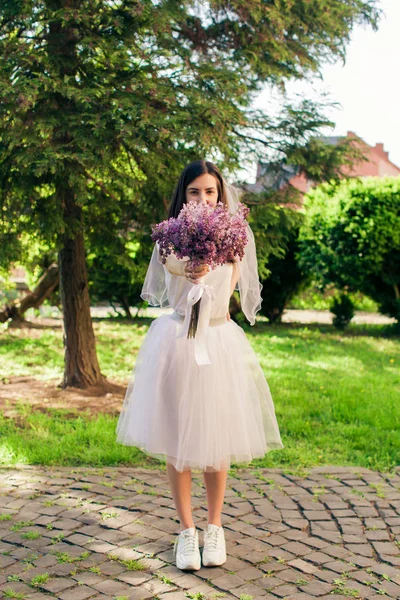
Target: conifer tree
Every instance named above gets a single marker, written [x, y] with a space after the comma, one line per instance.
[97, 96]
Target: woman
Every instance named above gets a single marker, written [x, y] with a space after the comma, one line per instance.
[200, 416]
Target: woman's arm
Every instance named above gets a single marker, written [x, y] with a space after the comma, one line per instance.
[173, 264]
[184, 268]
[176, 266]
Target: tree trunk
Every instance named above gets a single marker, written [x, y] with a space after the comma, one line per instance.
[81, 365]
[81, 368]
[16, 309]
[125, 305]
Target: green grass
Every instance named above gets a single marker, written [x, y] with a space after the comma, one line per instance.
[312, 298]
[40, 353]
[336, 396]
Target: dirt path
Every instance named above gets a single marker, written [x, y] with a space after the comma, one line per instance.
[289, 316]
[44, 395]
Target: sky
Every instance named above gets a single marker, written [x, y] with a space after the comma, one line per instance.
[367, 86]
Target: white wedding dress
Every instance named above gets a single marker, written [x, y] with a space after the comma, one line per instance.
[195, 416]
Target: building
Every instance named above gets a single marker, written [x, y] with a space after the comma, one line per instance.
[377, 165]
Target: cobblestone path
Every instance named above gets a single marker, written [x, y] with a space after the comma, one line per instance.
[77, 533]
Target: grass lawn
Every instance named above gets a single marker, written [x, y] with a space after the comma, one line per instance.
[336, 395]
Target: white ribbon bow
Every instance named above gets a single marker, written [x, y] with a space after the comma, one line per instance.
[207, 294]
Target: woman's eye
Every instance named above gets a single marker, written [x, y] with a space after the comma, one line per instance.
[209, 193]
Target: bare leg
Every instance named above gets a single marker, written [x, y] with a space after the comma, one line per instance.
[181, 487]
[215, 485]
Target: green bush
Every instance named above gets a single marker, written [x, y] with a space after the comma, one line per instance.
[351, 238]
[343, 309]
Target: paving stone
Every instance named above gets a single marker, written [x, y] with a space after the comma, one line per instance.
[354, 539]
[364, 591]
[290, 575]
[283, 591]
[280, 554]
[318, 557]
[294, 535]
[38, 596]
[5, 561]
[303, 566]
[277, 540]
[134, 577]
[338, 552]
[364, 577]
[297, 523]
[269, 583]
[315, 542]
[339, 567]
[392, 589]
[186, 581]
[248, 573]
[173, 596]
[380, 535]
[315, 515]
[297, 548]
[316, 588]
[236, 564]
[392, 560]
[362, 549]
[112, 587]
[272, 566]
[112, 568]
[249, 589]
[325, 575]
[386, 548]
[16, 586]
[378, 597]
[202, 588]
[375, 523]
[387, 570]
[78, 593]
[227, 582]
[352, 530]
[277, 537]
[157, 587]
[58, 585]
[89, 577]
[362, 561]
[300, 596]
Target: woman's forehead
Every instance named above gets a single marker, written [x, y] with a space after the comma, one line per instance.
[205, 181]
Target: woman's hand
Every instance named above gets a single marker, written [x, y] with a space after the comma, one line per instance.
[194, 273]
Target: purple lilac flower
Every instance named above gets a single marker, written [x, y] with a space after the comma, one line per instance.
[203, 233]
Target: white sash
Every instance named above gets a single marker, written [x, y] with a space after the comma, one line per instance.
[207, 294]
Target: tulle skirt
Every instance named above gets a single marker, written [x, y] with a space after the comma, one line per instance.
[198, 417]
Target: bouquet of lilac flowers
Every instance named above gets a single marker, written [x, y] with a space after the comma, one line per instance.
[204, 234]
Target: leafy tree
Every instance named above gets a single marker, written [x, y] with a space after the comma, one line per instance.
[103, 101]
[275, 225]
[285, 280]
[351, 238]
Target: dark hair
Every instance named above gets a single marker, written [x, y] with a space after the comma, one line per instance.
[189, 174]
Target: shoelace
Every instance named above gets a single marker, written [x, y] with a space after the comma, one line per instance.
[211, 537]
[189, 542]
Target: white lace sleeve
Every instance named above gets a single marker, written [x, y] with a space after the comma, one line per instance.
[154, 289]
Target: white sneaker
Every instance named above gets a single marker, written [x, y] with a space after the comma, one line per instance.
[186, 549]
[214, 551]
